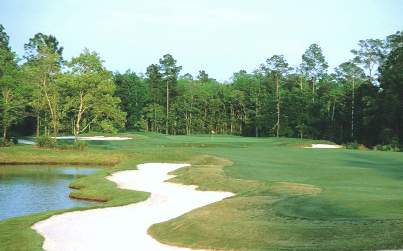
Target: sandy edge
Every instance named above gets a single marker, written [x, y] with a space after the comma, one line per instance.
[324, 146]
[125, 228]
[84, 138]
[95, 138]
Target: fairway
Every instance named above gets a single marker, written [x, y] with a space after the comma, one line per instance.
[307, 199]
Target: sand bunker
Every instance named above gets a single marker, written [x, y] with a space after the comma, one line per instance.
[25, 142]
[325, 146]
[94, 138]
[125, 228]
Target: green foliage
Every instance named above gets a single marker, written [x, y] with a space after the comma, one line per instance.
[80, 145]
[88, 93]
[305, 102]
[134, 95]
[352, 145]
[394, 147]
[45, 141]
[13, 94]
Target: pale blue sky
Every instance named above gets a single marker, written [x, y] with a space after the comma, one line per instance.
[220, 36]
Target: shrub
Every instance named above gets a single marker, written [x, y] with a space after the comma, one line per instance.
[46, 141]
[388, 147]
[80, 145]
[14, 140]
[352, 145]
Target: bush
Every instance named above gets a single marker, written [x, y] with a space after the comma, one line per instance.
[9, 142]
[46, 141]
[352, 145]
[80, 145]
[77, 145]
[14, 140]
[389, 147]
[4, 144]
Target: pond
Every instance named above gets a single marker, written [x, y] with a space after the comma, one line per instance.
[26, 190]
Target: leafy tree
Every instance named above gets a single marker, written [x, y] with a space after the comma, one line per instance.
[44, 60]
[394, 41]
[391, 98]
[170, 72]
[255, 93]
[370, 54]
[277, 66]
[314, 65]
[13, 94]
[271, 100]
[353, 75]
[187, 76]
[89, 89]
[134, 96]
[203, 76]
[155, 85]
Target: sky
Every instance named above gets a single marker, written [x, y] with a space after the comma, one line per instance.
[219, 36]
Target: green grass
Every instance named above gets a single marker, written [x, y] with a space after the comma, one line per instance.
[303, 199]
[288, 198]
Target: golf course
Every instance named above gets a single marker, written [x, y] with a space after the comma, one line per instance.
[135, 125]
[286, 197]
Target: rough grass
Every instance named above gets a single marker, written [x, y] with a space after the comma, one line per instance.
[33, 155]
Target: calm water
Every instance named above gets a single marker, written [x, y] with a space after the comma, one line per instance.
[31, 189]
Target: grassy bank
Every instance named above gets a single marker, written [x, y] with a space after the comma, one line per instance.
[288, 198]
[24, 154]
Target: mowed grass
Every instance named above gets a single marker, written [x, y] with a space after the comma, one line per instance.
[287, 197]
[291, 198]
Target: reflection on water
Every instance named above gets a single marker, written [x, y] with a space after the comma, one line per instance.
[30, 189]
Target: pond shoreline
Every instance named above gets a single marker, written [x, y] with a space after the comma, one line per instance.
[93, 187]
[55, 163]
[31, 189]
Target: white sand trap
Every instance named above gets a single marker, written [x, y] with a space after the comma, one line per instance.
[324, 146]
[100, 138]
[125, 228]
[25, 142]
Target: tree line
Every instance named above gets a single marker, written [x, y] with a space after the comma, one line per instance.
[360, 101]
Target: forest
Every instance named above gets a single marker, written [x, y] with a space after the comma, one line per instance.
[358, 102]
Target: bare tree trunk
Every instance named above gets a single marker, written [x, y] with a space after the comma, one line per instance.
[38, 121]
[51, 109]
[190, 123]
[187, 123]
[79, 116]
[231, 118]
[352, 110]
[167, 116]
[300, 82]
[6, 93]
[370, 74]
[333, 110]
[4, 134]
[257, 115]
[313, 90]
[278, 106]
